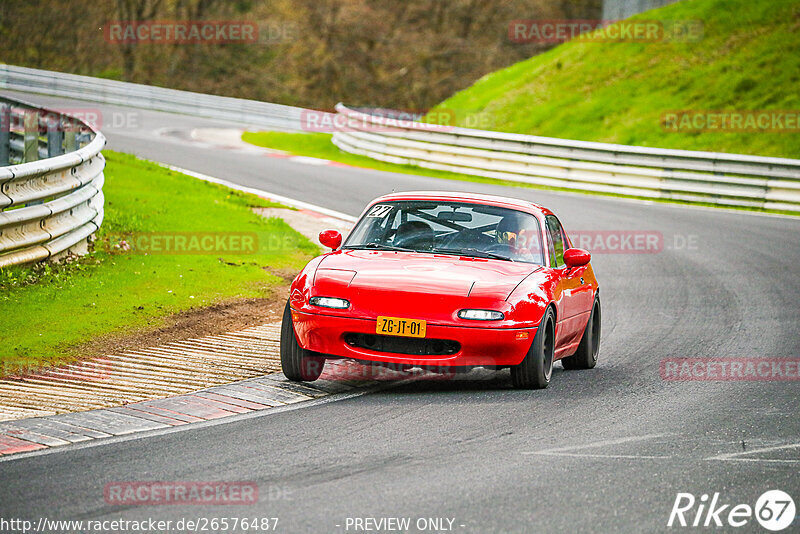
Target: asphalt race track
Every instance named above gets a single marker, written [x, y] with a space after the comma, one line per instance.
[604, 450]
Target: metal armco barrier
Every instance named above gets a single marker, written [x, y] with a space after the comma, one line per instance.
[706, 177]
[51, 197]
[232, 110]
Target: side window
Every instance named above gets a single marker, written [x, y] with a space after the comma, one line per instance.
[556, 235]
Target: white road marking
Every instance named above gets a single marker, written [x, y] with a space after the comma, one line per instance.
[773, 460]
[260, 192]
[581, 455]
[737, 456]
[309, 160]
[568, 451]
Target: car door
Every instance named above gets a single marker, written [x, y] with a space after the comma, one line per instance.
[581, 296]
[569, 282]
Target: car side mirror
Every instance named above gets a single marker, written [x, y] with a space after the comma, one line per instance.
[576, 257]
[331, 239]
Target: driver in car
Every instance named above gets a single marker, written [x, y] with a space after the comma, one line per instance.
[516, 236]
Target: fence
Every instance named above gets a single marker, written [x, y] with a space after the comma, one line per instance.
[230, 110]
[51, 180]
[705, 177]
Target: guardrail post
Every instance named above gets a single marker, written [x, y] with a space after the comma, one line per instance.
[55, 137]
[31, 125]
[5, 134]
[70, 135]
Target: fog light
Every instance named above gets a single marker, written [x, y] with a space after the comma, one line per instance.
[481, 315]
[329, 302]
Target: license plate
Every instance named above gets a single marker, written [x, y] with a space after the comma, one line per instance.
[397, 326]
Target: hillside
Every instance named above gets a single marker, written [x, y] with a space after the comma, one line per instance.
[747, 59]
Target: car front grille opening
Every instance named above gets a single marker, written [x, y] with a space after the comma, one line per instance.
[403, 345]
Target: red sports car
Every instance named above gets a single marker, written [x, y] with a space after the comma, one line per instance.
[446, 281]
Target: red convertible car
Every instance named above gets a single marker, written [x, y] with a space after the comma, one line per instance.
[446, 281]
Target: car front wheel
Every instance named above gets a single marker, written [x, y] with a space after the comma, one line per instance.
[535, 370]
[297, 363]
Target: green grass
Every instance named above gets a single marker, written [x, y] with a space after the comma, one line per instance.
[617, 92]
[319, 145]
[50, 310]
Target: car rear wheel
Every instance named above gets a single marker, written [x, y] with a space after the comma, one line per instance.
[297, 363]
[535, 370]
[588, 349]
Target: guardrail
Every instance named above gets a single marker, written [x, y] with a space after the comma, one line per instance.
[53, 205]
[705, 177]
[248, 113]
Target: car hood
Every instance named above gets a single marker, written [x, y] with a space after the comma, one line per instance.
[417, 284]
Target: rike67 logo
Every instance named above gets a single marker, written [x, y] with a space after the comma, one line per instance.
[774, 510]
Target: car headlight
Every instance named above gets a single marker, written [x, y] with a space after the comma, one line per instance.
[481, 315]
[329, 302]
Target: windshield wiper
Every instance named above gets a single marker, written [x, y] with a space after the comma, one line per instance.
[472, 252]
[379, 246]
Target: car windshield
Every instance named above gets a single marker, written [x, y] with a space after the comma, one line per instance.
[447, 227]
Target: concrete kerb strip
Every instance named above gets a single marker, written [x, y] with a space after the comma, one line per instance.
[139, 413]
[253, 397]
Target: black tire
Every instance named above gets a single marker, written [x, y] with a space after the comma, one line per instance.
[297, 363]
[589, 348]
[536, 369]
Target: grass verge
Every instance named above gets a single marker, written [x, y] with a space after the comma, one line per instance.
[621, 92]
[127, 285]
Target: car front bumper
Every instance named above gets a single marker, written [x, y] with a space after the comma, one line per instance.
[479, 345]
